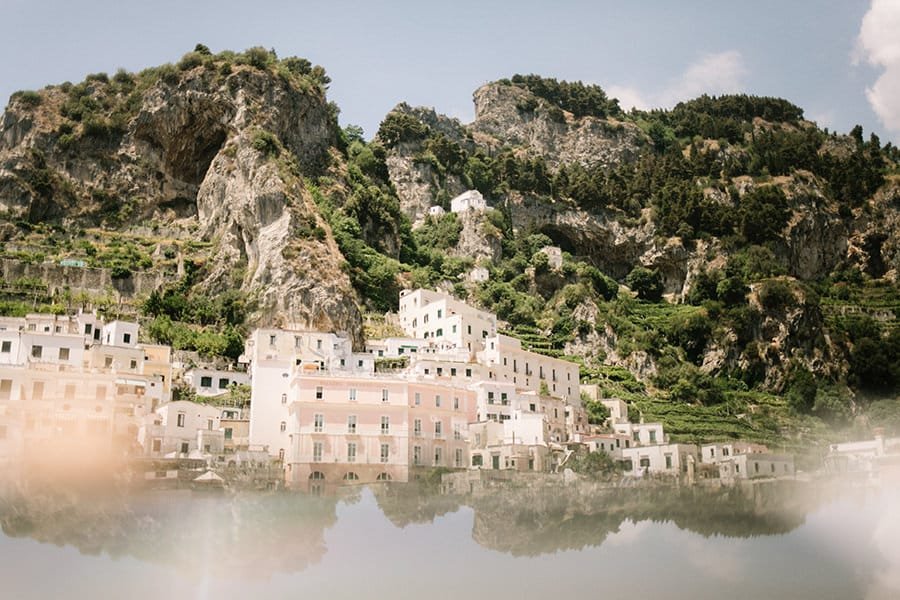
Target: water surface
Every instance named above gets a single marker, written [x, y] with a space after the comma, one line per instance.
[775, 541]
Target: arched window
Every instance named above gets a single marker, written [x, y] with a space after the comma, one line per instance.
[383, 477]
[351, 476]
[283, 426]
[317, 476]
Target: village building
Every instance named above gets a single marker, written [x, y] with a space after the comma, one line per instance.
[469, 200]
[209, 383]
[668, 459]
[275, 358]
[365, 429]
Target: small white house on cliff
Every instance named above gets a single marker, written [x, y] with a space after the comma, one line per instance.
[470, 200]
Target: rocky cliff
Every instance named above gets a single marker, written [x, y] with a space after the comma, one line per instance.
[215, 151]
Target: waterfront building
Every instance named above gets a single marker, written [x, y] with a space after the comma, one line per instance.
[275, 357]
[346, 429]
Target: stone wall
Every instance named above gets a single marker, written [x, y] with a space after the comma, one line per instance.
[82, 279]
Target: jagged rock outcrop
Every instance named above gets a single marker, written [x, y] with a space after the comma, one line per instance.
[211, 153]
[512, 116]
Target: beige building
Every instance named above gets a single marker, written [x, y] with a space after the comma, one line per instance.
[444, 321]
[667, 459]
[75, 380]
[508, 361]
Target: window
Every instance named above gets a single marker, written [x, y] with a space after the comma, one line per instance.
[63, 354]
[457, 433]
[437, 401]
[712, 452]
[205, 382]
[385, 452]
[438, 429]
[490, 397]
[503, 398]
[417, 455]
[645, 462]
[352, 394]
[180, 422]
[6, 347]
[439, 332]
[107, 362]
[385, 425]
[359, 363]
[724, 451]
[271, 340]
[318, 423]
[454, 328]
[318, 344]
[229, 433]
[469, 329]
[37, 351]
[417, 428]
[126, 338]
[468, 372]
[87, 329]
[636, 436]
[351, 424]
[157, 445]
[439, 313]
[284, 398]
[223, 383]
[384, 395]
[756, 467]
[184, 447]
[458, 458]
[477, 461]
[437, 456]
[652, 436]
[283, 426]
[668, 461]
[133, 364]
[418, 399]
[317, 451]
[456, 403]
[320, 393]
[351, 452]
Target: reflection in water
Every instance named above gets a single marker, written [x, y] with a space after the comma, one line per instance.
[262, 534]
[691, 540]
[511, 539]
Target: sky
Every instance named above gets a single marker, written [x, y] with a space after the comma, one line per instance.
[837, 59]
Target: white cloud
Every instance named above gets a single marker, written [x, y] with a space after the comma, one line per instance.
[879, 45]
[629, 97]
[720, 73]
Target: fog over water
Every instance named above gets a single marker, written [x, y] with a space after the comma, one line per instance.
[774, 540]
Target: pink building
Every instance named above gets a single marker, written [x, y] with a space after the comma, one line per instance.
[363, 429]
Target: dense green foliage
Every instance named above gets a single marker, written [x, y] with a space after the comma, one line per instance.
[573, 96]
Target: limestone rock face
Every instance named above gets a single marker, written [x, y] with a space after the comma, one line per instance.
[557, 137]
[257, 214]
[211, 156]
